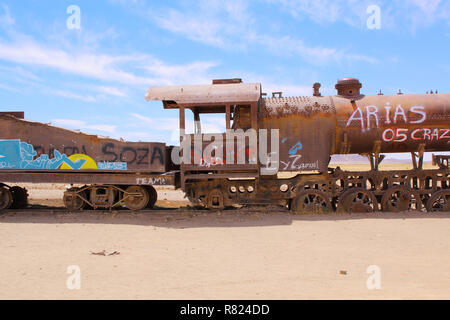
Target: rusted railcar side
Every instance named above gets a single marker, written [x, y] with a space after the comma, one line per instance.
[34, 145]
[111, 173]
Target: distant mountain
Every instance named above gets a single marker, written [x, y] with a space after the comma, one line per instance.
[357, 159]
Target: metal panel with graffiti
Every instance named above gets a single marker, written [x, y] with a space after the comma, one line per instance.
[32, 145]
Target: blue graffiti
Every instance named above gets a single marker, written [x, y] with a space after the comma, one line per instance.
[15, 154]
[296, 148]
[112, 165]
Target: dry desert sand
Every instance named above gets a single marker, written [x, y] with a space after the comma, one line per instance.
[243, 254]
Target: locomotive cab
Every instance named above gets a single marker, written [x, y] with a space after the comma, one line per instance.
[215, 155]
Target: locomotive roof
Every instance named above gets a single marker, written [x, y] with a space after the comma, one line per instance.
[204, 95]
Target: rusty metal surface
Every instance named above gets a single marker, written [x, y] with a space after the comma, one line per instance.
[223, 93]
[307, 130]
[34, 145]
[314, 128]
[76, 177]
[400, 123]
[17, 114]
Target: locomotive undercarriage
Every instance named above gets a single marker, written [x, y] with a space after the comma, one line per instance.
[88, 197]
[13, 197]
[336, 190]
[94, 197]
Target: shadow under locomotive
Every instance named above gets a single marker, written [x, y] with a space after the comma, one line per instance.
[190, 219]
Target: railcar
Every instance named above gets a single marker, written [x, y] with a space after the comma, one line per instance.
[111, 173]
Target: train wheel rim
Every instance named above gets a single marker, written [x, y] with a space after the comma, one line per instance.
[6, 198]
[20, 197]
[153, 197]
[136, 198]
[439, 202]
[358, 200]
[401, 198]
[311, 201]
[73, 200]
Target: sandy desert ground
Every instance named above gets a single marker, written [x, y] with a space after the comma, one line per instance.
[244, 254]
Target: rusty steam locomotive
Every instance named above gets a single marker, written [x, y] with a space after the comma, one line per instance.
[309, 130]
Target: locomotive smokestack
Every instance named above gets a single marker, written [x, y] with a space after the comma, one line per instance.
[316, 88]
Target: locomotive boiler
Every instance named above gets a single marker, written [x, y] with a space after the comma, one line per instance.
[351, 123]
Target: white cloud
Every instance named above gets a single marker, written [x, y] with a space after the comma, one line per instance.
[80, 54]
[98, 66]
[8, 88]
[6, 19]
[111, 91]
[102, 66]
[229, 25]
[108, 68]
[158, 123]
[81, 125]
[314, 55]
[20, 73]
[411, 14]
[72, 95]
[287, 89]
[191, 73]
[323, 11]
[213, 22]
[209, 123]
[191, 27]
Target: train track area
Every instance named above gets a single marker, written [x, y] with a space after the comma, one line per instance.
[47, 200]
[188, 217]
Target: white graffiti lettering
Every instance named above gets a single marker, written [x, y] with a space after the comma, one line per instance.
[294, 164]
[151, 181]
[372, 117]
[421, 134]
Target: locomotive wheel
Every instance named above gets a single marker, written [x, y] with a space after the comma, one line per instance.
[136, 198]
[153, 197]
[401, 198]
[311, 201]
[357, 200]
[20, 197]
[439, 201]
[72, 200]
[6, 198]
[215, 200]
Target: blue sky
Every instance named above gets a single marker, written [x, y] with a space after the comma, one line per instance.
[95, 78]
